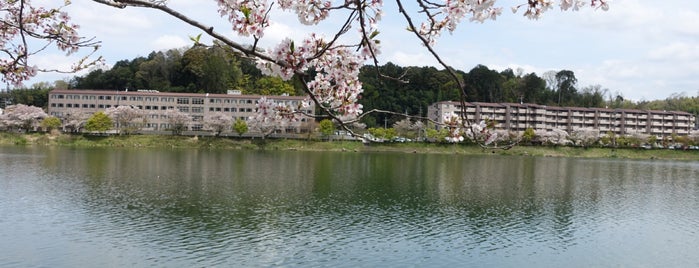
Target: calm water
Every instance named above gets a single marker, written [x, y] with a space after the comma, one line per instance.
[63, 207]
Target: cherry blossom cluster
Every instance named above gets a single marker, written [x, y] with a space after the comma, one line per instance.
[577, 4]
[177, 120]
[127, 118]
[175, 117]
[75, 120]
[534, 9]
[448, 15]
[481, 133]
[22, 116]
[248, 17]
[478, 132]
[218, 122]
[584, 136]
[310, 12]
[453, 123]
[271, 114]
[335, 86]
[555, 136]
[23, 23]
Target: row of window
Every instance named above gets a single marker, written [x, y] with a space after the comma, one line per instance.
[183, 100]
[578, 118]
[84, 105]
[515, 111]
[232, 109]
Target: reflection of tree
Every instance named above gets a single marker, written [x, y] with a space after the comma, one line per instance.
[184, 200]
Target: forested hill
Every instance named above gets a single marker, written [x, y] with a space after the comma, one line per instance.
[410, 90]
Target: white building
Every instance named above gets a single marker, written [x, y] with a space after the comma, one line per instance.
[518, 117]
[63, 102]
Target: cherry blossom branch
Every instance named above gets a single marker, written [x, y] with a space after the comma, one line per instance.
[159, 5]
[22, 25]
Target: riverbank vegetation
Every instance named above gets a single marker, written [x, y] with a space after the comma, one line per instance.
[234, 143]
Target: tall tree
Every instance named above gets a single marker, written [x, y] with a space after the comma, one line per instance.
[565, 80]
[484, 84]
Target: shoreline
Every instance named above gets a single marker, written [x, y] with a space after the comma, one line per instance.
[234, 143]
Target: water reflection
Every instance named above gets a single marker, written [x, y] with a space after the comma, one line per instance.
[269, 208]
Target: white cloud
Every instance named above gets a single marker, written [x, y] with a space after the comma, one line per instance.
[166, 42]
[103, 21]
[677, 51]
[277, 31]
[685, 22]
[401, 58]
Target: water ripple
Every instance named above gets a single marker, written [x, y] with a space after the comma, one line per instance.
[624, 213]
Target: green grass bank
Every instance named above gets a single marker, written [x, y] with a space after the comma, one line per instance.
[226, 143]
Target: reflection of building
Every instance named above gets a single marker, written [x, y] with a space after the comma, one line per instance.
[518, 117]
[63, 102]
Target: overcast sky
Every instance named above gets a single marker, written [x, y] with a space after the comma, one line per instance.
[644, 49]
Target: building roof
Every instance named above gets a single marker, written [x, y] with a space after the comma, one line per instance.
[559, 108]
[154, 93]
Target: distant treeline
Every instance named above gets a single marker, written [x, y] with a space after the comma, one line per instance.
[216, 69]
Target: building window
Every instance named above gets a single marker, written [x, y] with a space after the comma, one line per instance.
[197, 109]
[182, 100]
[197, 101]
[183, 109]
[197, 118]
[197, 127]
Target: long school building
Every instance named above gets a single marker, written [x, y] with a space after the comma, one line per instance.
[63, 102]
[518, 117]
